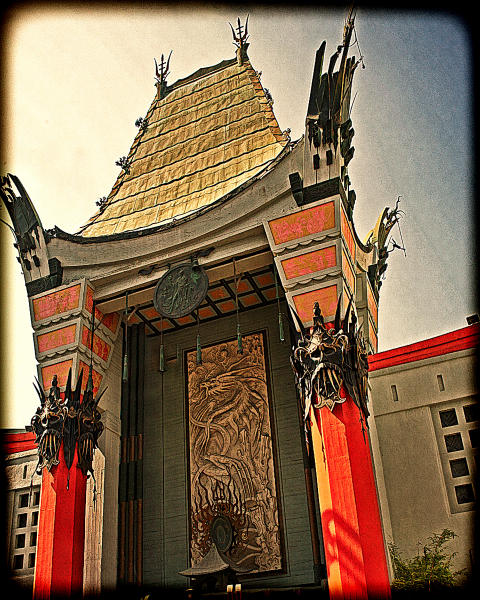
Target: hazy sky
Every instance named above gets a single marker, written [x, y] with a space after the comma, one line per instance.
[78, 78]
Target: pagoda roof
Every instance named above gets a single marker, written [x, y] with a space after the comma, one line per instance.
[210, 134]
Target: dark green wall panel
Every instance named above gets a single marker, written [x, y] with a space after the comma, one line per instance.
[165, 477]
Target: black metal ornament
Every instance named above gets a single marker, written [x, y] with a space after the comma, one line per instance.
[75, 422]
[70, 430]
[328, 358]
[47, 423]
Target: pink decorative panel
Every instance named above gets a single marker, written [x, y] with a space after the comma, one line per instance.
[59, 369]
[310, 262]
[326, 297]
[305, 222]
[96, 377]
[348, 272]
[100, 347]
[372, 305]
[110, 320]
[56, 303]
[348, 235]
[56, 339]
[372, 335]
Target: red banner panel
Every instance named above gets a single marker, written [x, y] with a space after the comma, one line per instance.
[97, 378]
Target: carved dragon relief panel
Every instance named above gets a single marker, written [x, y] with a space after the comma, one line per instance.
[231, 454]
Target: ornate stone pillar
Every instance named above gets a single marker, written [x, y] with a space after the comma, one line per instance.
[319, 260]
[63, 320]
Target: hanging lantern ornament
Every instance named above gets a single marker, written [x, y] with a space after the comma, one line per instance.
[236, 282]
[199, 345]
[161, 366]
[281, 331]
[125, 356]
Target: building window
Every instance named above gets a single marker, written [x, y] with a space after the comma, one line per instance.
[394, 393]
[23, 538]
[441, 385]
[471, 412]
[459, 467]
[22, 520]
[474, 437]
[454, 442]
[448, 418]
[464, 493]
[458, 439]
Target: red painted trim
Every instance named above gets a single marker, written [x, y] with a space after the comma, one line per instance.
[18, 442]
[460, 339]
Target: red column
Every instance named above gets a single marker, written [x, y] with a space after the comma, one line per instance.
[61, 532]
[351, 526]
[369, 520]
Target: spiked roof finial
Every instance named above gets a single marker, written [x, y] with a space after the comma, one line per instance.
[240, 37]
[161, 74]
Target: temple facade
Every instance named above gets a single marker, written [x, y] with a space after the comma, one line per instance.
[166, 330]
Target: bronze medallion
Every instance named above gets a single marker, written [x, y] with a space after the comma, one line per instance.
[181, 290]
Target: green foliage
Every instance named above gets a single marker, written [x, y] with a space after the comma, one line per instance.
[430, 570]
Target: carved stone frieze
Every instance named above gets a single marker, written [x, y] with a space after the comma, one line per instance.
[231, 454]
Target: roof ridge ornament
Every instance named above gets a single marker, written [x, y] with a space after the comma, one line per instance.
[240, 37]
[161, 74]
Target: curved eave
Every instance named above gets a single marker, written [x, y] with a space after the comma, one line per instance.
[365, 248]
[137, 233]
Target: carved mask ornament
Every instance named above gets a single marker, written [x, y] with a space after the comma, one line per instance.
[70, 421]
[90, 428]
[326, 359]
[47, 424]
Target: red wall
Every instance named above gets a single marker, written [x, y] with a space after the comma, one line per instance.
[18, 442]
[460, 339]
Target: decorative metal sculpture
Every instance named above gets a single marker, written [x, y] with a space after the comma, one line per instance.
[328, 358]
[124, 164]
[74, 422]
[90, 427]
[379, 236]
[102, 203]
[219, 518]
[47, 424]
[161, 74]
[181, 290]
[222, 525]
[240, 40]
